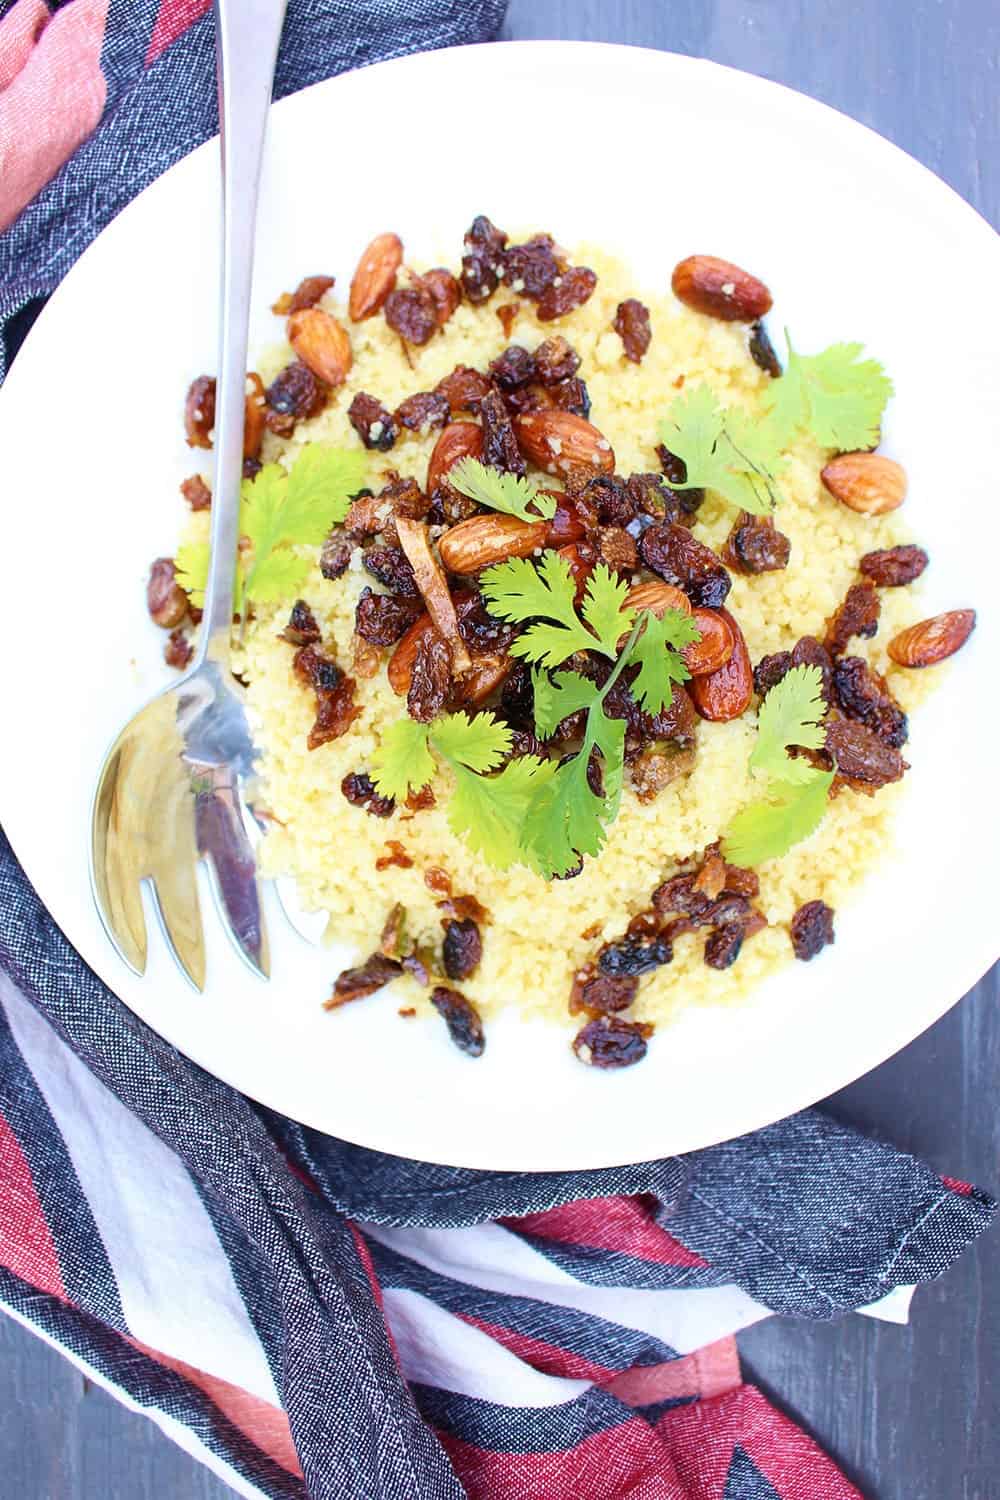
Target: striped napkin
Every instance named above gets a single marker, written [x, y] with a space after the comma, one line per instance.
[311, 1320]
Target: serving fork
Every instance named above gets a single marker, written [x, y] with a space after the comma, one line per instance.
[177, 784]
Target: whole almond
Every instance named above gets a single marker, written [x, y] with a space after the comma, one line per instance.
[457, 440]
[482, 540]
[720, 289]
[725, 693]
[559, 441]
[658, 597]
[321, 343]
[865, 482]
[375, 277]
[716, 646]
[933, 640]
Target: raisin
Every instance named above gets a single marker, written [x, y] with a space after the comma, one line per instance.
[482, 632]
[513, 367]
[336, 711]
[302, 629]
[630, 957]
[762, 351]
[335, 556]
[500, 450]
[483, 259]
[316, 670]
[421, 800]
[610, 1042]
[679, 558]
[863, 695]
[391, 566]
[166, 601]
[404, 497]
[359, 789]
[890, 567]
[860, 755]
[722, 947]
[742, 882]
[463, 389]
[856, 616]
[308, 292]
[524, 742]
[770, 670]
[373, 422]
[464, 1023]
[178, 651]
[755, 545]
[251, 468]
[517, 698]
[632, 326]
[809, 652]
[396, 857]
[411, 311]
[652, 769]
[294, 395]
[612, 499]
[199, 411]
[430, 684]
[570, 395]
[675, 473]
[445, 290]
[653, 499]
[606, 993]
[532, 267]
[617, 549]
[383, 619]
[811, 929]
[464, 908]
[355, 984]
[679, 894]
[462, 948]
[197, 493]
[573, 288]
[423, 412]
[677, 722]
[508, 316]
[556, 360]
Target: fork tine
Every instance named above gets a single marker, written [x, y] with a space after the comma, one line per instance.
[174, 889]
[225, 843]
[116, 880]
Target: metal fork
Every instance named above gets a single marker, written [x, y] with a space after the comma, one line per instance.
[177, 782]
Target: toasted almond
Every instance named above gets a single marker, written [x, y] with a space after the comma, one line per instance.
[657, 596]
[933, 640]
[482, 540]
[321, 343]
[375, 277]
[865, 482]
[559, 441]
[725, 693]
[715, 646]
[457, 440]
[720, 289]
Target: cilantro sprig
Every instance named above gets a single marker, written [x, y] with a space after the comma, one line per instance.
[280, 510]
[795, 795]
[512, 494]
[724, 450]
[835, 396]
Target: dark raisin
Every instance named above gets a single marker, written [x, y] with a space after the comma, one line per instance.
[524, 742]
[372, 975]
[197, 493]
[463, 389]
[610, 1042]
[771, 670]
[411, 311]
[675, 472]
[513, 367]
[383, 619]
[465, 1026]
[373, 422]
[812, 929]
[617, 549]
[500, 450]
[405, 498]
[423, 412]
[294, 395]
[556, 360]
[166, 601]
[483, 259]
[652, 498]
[430, 684]
[316, 669]
[861, 756]
[755, 545]
[302, 628]
[863, 695]
[632, 326]
[462, 948]
[359, 789]
[573, 288]
[679, 558]
[336, 711]
[178, 651]
[890, 567]
[445, 290]
[614, 502]
[722, 947]
[391, 566]
[531, 268]
[632, 957]
[308, 292]
[680, 894]
[482, 632]
[762, 351]
[571, 395]
[199, 411]
[517, 698]
[606, 993]
[809, 652]
[335, 556]
[856, 616]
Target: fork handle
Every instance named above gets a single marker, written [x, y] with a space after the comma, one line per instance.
[247, 33]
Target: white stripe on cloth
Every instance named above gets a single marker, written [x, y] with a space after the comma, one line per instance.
[437, 1348]
[174, 1278]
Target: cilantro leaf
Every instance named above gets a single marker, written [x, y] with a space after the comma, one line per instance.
[658, 650]
[564, 819]
[770, 826]
[723, 450]
[479, 743]
[608, 735]
[605, 610]
[510, 493]
[490, 812]
[402, 763]
[278, 575]
[834, 395]
[556, 697]
[516, 590]
[300, 506]
[790, 715]
[191, 569]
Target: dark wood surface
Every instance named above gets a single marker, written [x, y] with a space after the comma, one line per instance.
[910, 1413]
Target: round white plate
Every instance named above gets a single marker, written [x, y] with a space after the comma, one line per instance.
[656, 156]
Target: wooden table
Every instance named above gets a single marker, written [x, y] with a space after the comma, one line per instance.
[909, 1413]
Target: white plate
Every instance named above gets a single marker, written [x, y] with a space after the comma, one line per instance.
[657, 156]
